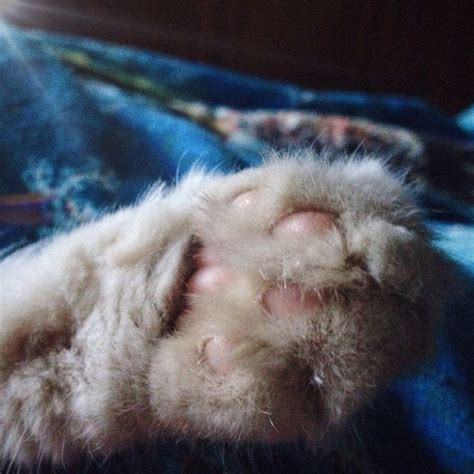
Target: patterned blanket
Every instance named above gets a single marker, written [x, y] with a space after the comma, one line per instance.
[86, 126]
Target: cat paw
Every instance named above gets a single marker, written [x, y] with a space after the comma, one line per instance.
[311, 289]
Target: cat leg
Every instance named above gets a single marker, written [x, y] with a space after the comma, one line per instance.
[314, 288]
[79, 315]
[267, 305]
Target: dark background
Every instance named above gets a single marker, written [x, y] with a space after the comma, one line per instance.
[423, 48]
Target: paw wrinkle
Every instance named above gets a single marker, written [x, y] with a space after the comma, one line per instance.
[177, 303]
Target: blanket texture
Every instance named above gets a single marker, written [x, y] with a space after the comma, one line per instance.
[87, 127]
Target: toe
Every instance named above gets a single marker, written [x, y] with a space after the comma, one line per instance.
[218, 355]
[304, 223]
[245, 200]
[208, 279]
[207, 257]
[284, 302]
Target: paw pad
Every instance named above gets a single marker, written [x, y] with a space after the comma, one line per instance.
[289, 300]
[304, 223]
[218, 355]
[245, 199]
[281, 301]
[208, 279]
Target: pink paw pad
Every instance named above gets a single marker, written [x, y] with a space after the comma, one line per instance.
[291, 300]
[208, 279]
[280, 301]
[304, 223]
[245, 200]
[218, 355]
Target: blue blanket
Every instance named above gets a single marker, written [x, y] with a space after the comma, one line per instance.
[88, 126]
